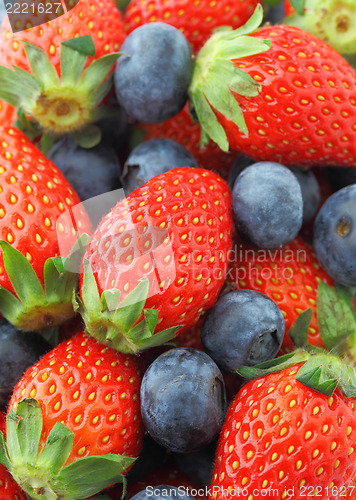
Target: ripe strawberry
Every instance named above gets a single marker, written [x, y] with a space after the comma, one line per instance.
[94, 393]
[290, 99]
[33, 195]
[175, 231]
[181, 128]
[196, 20]
[289, 276]
[8, 114]
[9, 489]
[89, 32]
[284, 437]
[288, 8]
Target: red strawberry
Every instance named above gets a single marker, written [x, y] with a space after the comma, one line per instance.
[183, 129]
[9, 489]
[175, 231]
[62, 48]
[8, 114]
[284, 437]
[288, 7]
[197, 20]
[291, 102]
[33, 194]
[94, 392]
[289, 276]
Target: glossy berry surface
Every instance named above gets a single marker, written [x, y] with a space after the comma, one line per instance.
[183, 399]
[152, 85]
[289, 276]
[310, 192]
[93, 390]
[268, 205]
[153, 158]
[91, 171]
[243, 328]
[196, 20]
[335, 236]
[281, 435]
[18, 351]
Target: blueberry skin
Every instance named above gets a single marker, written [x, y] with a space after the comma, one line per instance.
[162, 492]
[153, 75]
[268, 205]
[153, 158]
[242, 329]
[335, 236]
[90, 171]
[183, 400]
[18, 351]
[310, 192]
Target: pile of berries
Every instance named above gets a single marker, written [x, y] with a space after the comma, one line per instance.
[178, 250]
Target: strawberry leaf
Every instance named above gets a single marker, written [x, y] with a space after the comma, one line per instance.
[41, 67]
[29, 429]
[299, 331]
[82, 44]
[4, 458]
[57, 449]
[273, 365]
[336, 319]
[298, 5]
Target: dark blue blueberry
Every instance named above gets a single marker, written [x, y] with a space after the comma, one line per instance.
[242, 329]
[183, 400]
[199, 464]
[310, 192]
[162, 492]
[153, 75]
[268, 205]
[241, 162]
[90, 171]
[335, 236]
[151, 457]
[275, 14]
[152, 158]
[341, 177]
[18, 351]
[114, 127]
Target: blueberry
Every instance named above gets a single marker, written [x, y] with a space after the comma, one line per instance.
[18, 351]
[153, 74]
[241, 162]
[242, 329]
[335, 236]
[199, 464]
[152, 158]
[183, 400]
[341, 177]
[90, 171]
[310, 192]
[151, 457]
[268, 205]
[162, 492]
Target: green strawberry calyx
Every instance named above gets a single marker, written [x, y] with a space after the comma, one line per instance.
[215, 78]
[42, 471]
[37, 306]
[59, 104]
[331, 20]
[116, 323]
[323, 370]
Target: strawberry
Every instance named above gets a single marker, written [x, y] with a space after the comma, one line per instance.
[8, 114]
[196, 20]
[289, 276]
[58, 95]
[175, 231]
[86, 417]
[330, 21]
[291, 429]
[33, 195]
[284, 437]
[181, 128]
[278, 94]
[9, 489]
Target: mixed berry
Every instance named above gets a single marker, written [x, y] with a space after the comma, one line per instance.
[178, 251]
